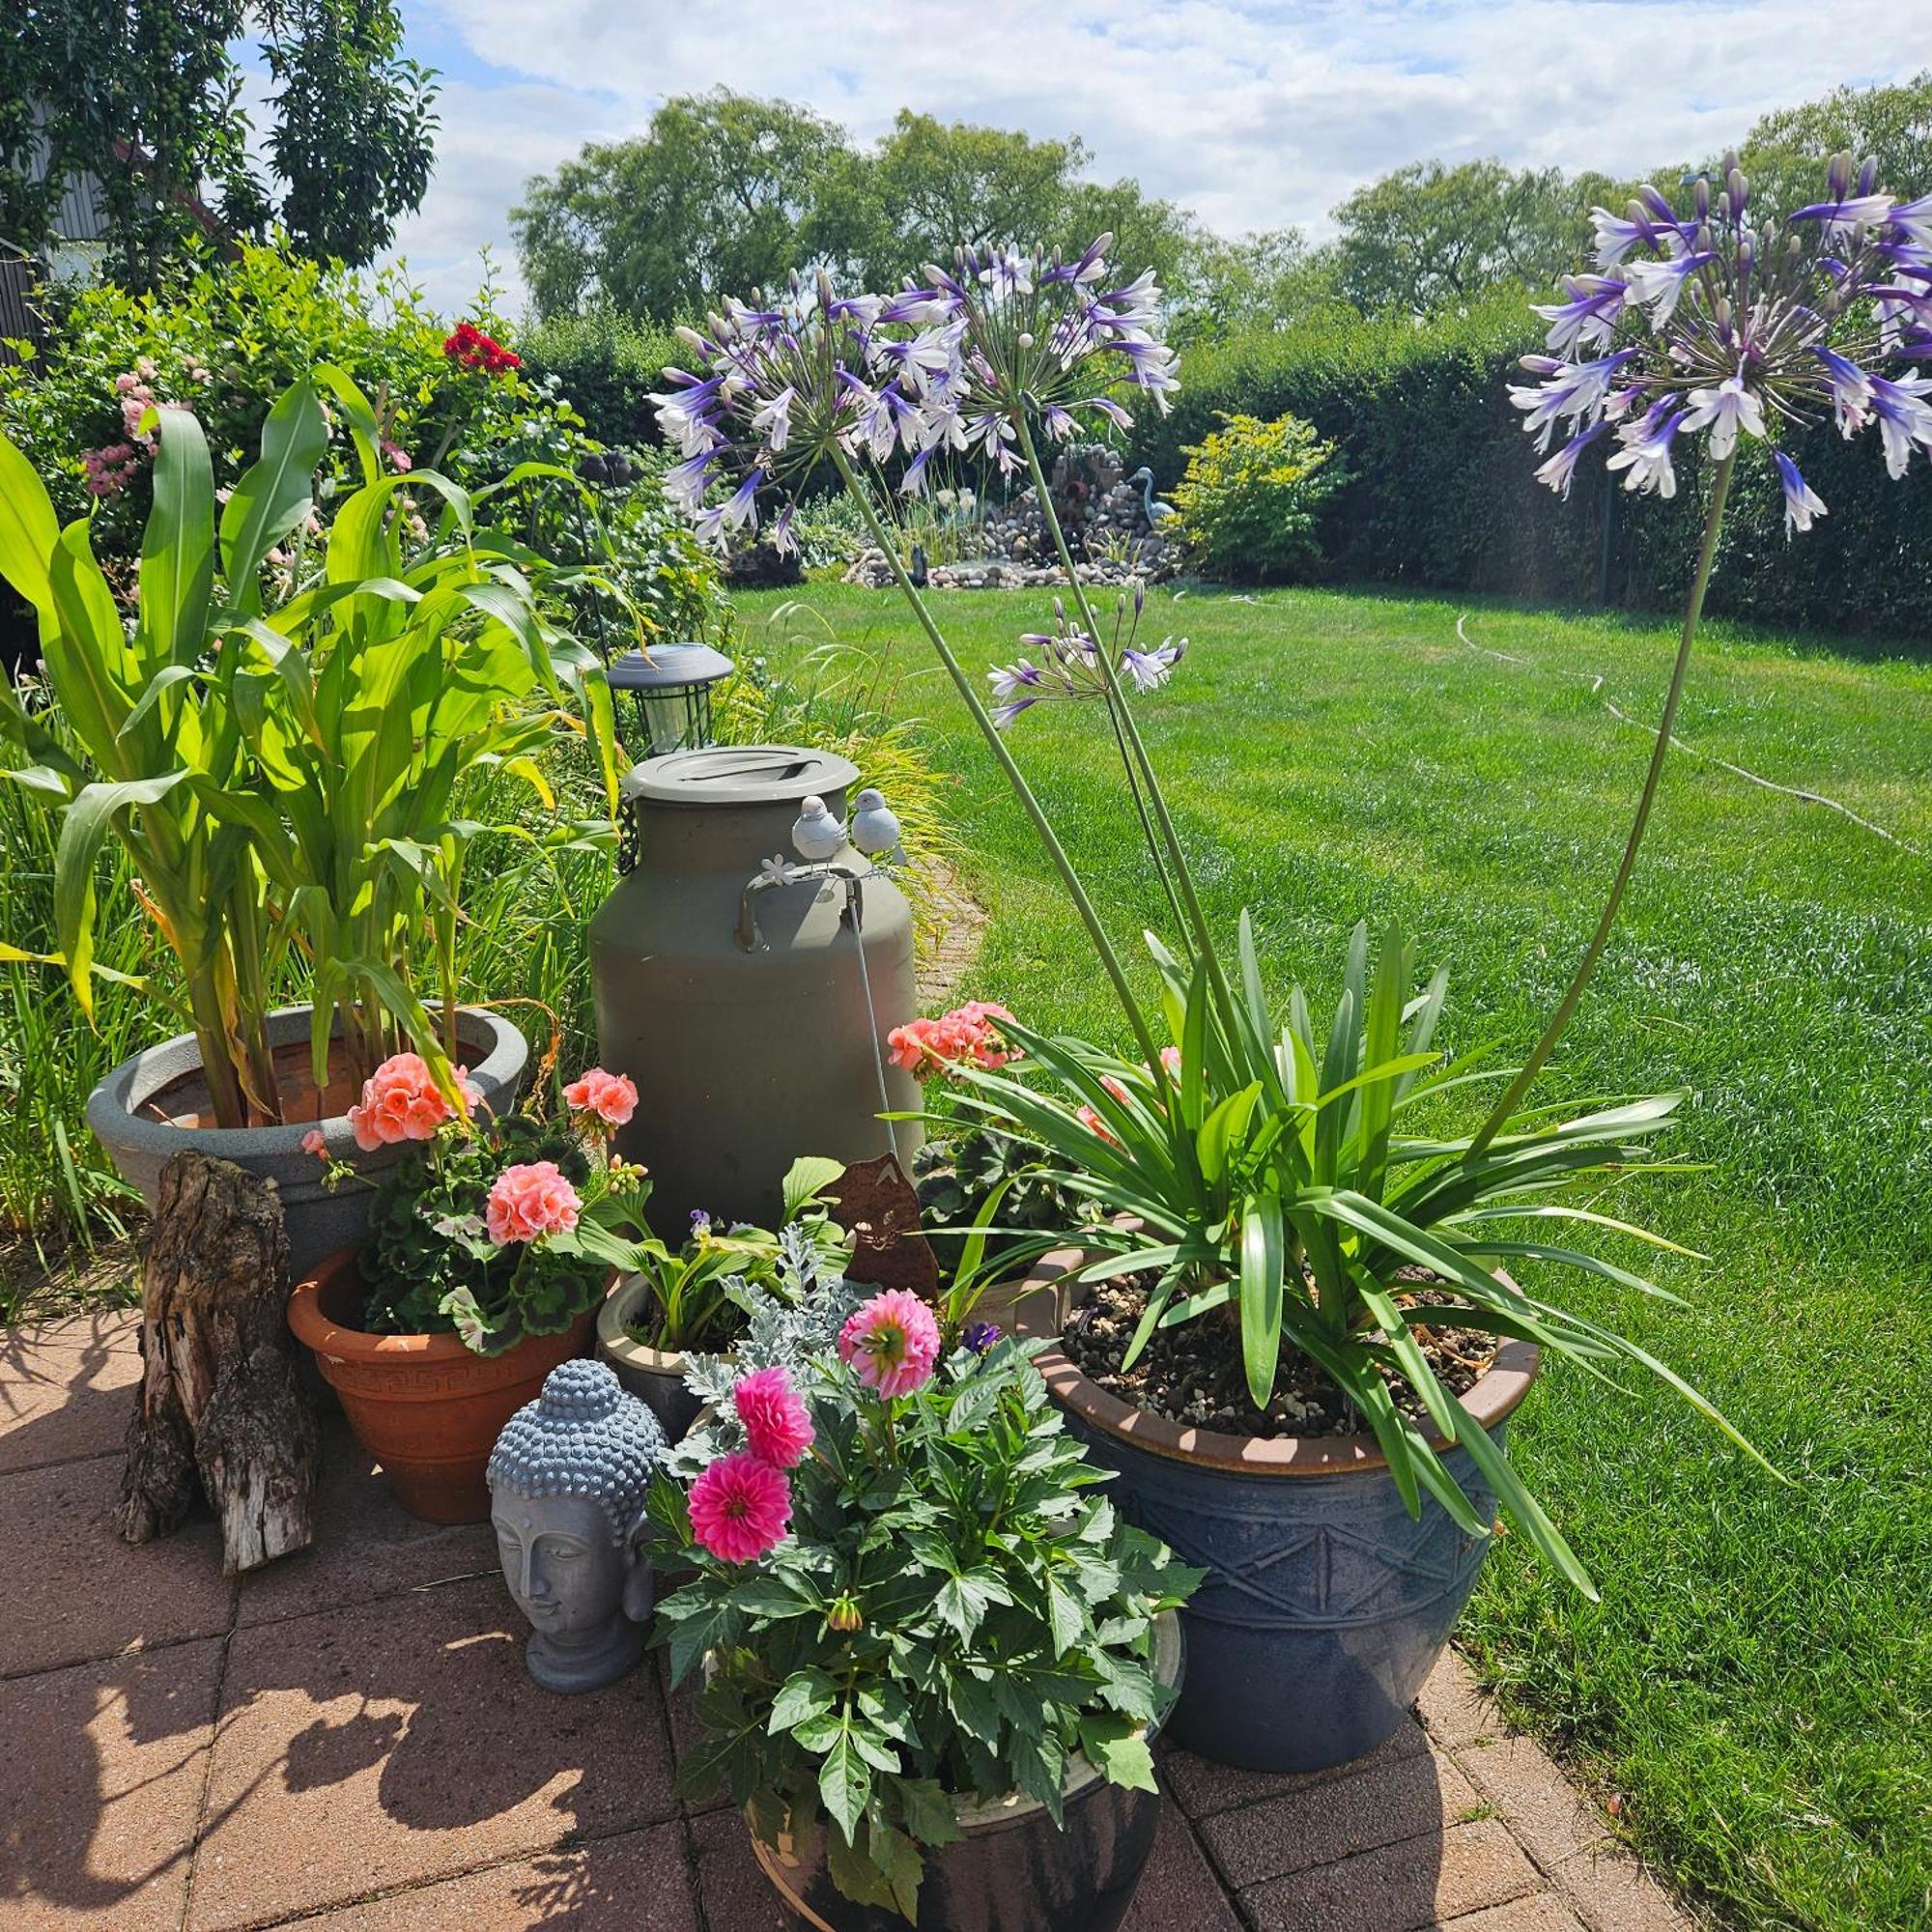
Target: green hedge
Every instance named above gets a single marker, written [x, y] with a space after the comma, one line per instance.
[608, 365]
[1441, 492]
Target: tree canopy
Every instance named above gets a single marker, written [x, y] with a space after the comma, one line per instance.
[144, 95]
[726, 193]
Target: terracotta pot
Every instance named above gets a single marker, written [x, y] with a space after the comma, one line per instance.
[654, 1376]
[153, 1105]
[1327, 1604]
[425, 1406]
[1012, 1869]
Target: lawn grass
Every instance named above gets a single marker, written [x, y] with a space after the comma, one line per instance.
[1757, 1683]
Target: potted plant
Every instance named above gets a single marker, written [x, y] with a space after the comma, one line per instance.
[280, 739]
[1277, 1207]
[692, 1297]
[492, 1240]
[934, 1656]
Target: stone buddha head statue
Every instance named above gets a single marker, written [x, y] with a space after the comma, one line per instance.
[568, 1479]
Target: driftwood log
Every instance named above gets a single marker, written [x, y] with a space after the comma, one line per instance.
[220, 1412]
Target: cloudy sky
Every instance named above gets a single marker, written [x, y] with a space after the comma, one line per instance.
[1251, 112]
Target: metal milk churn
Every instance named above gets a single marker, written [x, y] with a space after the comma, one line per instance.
[751, 1010]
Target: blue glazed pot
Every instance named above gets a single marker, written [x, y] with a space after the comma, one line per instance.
[1325, 1604]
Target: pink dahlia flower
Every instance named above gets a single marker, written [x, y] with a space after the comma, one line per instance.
[777, 1424]
[892, 1342]
[530, 1200]
[740, 1508]
[611, 1097]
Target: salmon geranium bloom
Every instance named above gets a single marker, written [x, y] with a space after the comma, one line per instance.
[610, 1098]
[401, 1102]
[528, 1200]
[968, 1034]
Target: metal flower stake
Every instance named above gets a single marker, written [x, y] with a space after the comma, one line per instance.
[1723, 323]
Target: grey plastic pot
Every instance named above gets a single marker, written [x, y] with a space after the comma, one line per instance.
[1012, 1869]
[1325, 1604]
[654, 1376]
[135, 1113]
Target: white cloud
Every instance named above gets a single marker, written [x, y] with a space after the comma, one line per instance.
[1252, 114]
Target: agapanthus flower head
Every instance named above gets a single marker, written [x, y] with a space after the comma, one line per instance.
[1068, 662]
[740, 1507]
[891, 1343]
[951, 365]
[1723, 323]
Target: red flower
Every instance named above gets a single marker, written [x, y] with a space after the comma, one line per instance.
[468, 347]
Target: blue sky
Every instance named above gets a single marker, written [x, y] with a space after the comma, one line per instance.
[1253, 114]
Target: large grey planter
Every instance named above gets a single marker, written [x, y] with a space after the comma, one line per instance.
[655, 1375]
[319, 1222]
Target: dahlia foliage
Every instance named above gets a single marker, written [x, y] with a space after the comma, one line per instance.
[1727, 322]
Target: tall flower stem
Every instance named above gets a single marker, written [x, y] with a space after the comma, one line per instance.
[1559, 1020]
[1125, 726]
[1062, 865]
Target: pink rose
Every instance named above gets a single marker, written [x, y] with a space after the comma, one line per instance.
[891, 1343]
[531, 1200]
[610, 1097]
[740, 1508]
[777, 1424]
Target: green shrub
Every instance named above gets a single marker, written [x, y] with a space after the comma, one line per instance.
[1440, 489]
[608, 365]
[226, 338]
[1248, 502]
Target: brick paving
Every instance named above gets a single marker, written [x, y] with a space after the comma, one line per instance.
[348, 1743]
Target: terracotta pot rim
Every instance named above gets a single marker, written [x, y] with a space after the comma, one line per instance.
[331, 1338]
[1495, 1395]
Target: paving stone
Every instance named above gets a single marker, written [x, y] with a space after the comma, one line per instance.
[1204, 1788]
[1613, 1892]
[108, 1762]
[1399, 1888]
[1454, 1707]
[736, 1895]
[1179, 1890]
[1540, 1911]
[634, 1883]
[1545, 1813]
[1411, 1798]
[404, 1740]
[65, 1389]
[77, 1592]
[366, 1544]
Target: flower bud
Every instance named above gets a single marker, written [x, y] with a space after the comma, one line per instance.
[845, 1615]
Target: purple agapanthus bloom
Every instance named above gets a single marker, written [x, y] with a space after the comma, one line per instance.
[1752, 322]
[1070, 666]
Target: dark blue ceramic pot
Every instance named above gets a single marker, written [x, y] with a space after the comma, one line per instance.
[1325, 1604]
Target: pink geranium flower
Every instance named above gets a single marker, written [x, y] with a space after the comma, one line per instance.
[777, 1424]
[401, 1102]
[531, 1200]
[740, 1508]
[611, 1098]
[968, 1033]
[892, 1342]
[316, 1143]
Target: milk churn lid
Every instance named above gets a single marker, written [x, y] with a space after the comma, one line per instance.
[735, 775]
